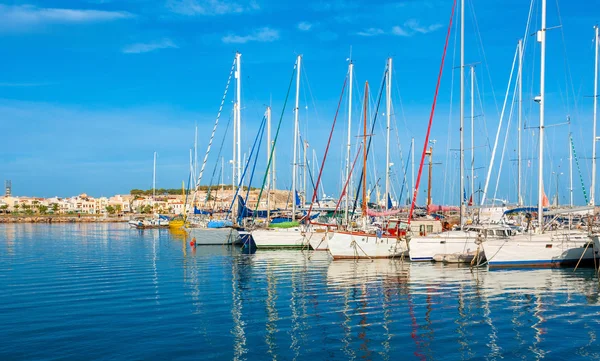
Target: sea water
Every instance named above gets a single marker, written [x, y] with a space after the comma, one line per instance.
[107, 292]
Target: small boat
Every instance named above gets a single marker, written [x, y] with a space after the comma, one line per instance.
[159, 221]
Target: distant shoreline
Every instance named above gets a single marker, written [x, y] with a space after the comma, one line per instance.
[62, 218]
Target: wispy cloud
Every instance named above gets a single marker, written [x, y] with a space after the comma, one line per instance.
[412, 27]
[264, 35]
[23, 85]
[138, 48]
[371, 32]
[304, 26]
[28, 16]
[211, 7]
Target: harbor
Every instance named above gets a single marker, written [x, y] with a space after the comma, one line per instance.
[394, 180]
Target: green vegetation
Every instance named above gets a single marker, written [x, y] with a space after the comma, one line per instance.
[43, 209]
[110, 209]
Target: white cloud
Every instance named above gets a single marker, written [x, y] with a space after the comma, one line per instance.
[138, 48]
[28, 16]
[210, 7]
[264, 35]
[304, 26]
[412, 27]
[371, 32]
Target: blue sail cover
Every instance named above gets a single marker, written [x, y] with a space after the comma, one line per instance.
[200, 211]
[244, 211]
[523, 210]
[219, 223]
[389, 202]
[297, 198]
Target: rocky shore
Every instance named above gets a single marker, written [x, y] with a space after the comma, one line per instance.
[59, 219]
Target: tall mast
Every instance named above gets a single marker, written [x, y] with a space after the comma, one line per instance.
[570, 172]
[541, 35]
[520, 125]
[238, 73]
[196, 153]
[304, 171]
[349, 144]
[268, 158]
[364, 180]
[472, 129]
[593, 188]
[154, 181]
[462, 109]
[388, 109]
[412, 171]
[294, 161]
[233, 151]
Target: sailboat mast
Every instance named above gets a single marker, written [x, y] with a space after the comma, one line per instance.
[520, 125]
[364, 180]
[295, 155]
[472, 129]
[593, 187]
[268, 170]
[542, 39]
[570, 171]
[233, 152]
[154, 181]
[412, 166]
[304, 171]
[349, 144]
[462, 109]
[388, 109]
[238, 73]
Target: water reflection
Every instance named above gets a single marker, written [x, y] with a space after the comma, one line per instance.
[282, 305]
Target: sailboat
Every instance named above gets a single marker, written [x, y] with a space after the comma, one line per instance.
[293, 236]
[543, 248]
[157, 221]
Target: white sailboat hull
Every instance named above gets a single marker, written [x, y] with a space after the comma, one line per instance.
[213, 236]
[540, 250]
[319, 241]
[280, 238]
[360, 245]
[446, 243]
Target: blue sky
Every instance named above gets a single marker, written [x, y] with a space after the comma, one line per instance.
[90, 89]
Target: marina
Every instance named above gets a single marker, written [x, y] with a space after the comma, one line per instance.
[93, 290]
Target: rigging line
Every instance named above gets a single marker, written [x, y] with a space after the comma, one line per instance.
[316, 187]
[400, 149]
[218, 157]
[347, 181]
[360, 182]
[241, 180]
[510, 116]
[262, 133]
[437, 88]
[449, 141]
[404, 183]
[487, 66]
[491, 165]
[214, 130]
[275, 140]
[310, 176]
[578, 168]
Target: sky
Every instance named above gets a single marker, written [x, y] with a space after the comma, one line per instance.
[90, 89]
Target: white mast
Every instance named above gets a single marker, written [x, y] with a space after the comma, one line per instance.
[472, 130]
[349, 145]
[269, 169]
[593, 188]
[154, 182]
[462, 108]
[233, 152]
[412, 166]
[541, 35]
[238, 77]
[295, 155]
[196, 153]
[520, 125]
[388, 108]
[570, 171]
[304, 171]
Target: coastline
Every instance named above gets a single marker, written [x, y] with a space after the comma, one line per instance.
[62, 218]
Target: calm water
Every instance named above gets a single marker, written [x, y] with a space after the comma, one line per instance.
[105, 292]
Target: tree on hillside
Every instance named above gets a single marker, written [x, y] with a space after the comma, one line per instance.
[16, 207]
[55, 208]
[110, 210]
[118, 208]
[43, 209]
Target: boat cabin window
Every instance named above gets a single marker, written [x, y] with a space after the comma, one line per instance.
[500, 233]
[392, 224]
[490, 232]
[430, 229]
